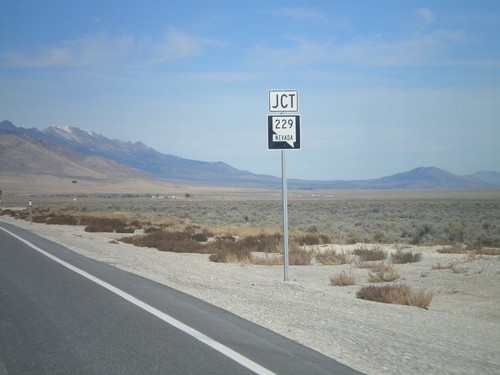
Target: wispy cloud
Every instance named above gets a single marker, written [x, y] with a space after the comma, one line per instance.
[101, 48]
[310, 14]
[367, 51]
[302, 13]
[425, 17]
[84, 51]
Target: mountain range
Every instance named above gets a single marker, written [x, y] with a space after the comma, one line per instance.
[72, 153]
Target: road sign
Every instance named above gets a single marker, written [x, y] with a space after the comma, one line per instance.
[283, 101]
[283, 132]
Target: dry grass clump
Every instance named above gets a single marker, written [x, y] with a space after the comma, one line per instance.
[267, 259]
[487, 251]
[402, 257]
[382, 272]
[177, 242]
[368, 255]
[313, 239]
[61, 220]
[333, 258]
[227, 252]
[8, 212]
[109, 225]
[477, 250]
[262, 242]
[343, 279]
[455, 249]
[96, 223]
[194, 239]
[396, 294]
[298, 256]
[459, 269]
[440, 266]
[230, 250]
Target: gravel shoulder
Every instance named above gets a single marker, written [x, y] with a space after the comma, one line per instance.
[458, 334]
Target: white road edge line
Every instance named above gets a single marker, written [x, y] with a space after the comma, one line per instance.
[242, 360]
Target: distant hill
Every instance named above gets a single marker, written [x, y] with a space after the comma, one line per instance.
[29, 155]
[492, 178]
[428, 178]
[418, 178]
[69, 152]
[141, 157]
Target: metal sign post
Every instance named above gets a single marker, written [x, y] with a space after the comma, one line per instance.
[284, 133]
[30, 204]
[284, 199]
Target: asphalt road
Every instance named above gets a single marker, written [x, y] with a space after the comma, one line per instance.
[62, 313]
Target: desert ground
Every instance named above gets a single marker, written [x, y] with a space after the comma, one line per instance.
[459, 333]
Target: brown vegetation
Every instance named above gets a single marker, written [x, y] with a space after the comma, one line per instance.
[382, 272]
[402, 257]
[333, 258]
[367, 255]
[343, 278]
[396, 294]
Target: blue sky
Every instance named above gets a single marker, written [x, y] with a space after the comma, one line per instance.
[384, 86]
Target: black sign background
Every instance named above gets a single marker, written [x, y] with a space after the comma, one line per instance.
[271, 145]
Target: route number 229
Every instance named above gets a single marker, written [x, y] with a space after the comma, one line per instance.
[284, 123]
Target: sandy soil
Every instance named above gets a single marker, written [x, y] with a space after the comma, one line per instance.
[458, 334]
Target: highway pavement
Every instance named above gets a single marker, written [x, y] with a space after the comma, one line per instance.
[62, 313]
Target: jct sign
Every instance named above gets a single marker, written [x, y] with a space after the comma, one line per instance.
[283, 131]
[283, 101]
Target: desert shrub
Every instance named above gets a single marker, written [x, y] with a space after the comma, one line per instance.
[361, 264]
[62, 220]
[127, 229]
[333, 258]
[151, 229]
[177, 242]
[312, 229]
[379, 236]
[106, 225]
[298, 256]
[24, 215]
[382, 273]
[402, 257]
[488, 251]
[37, 218]
[459, 269]
[228, 252]
[313, 239]
[99, 227]
[396, 294]
[228, 249]
[257, 243]
[202, 236]
[455, 249]
[421, 232]
[127, 240]
[8, 212]
[367, 255]
[440, 266]
[456, 231]
[264, 242]
[343, 279]
[86, 220]
[267, 260]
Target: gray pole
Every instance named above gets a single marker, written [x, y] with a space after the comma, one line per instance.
[285, 213]
[30, 204]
